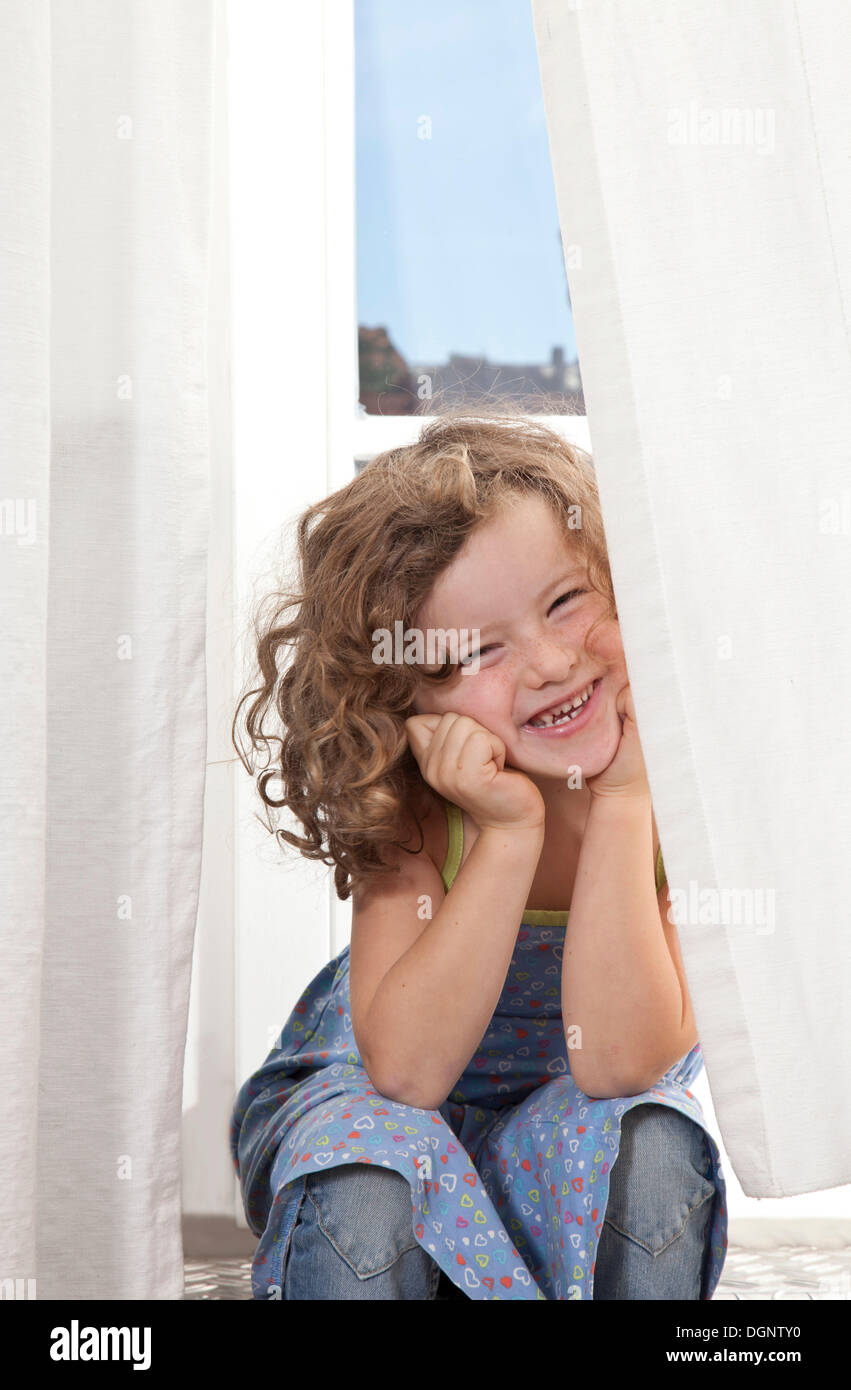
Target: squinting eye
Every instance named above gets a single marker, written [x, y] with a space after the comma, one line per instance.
[466, 660]
[564, 598]
[574, 593]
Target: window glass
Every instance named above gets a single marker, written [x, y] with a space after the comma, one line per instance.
[461, 278]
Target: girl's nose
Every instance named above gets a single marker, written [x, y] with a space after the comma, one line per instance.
[548, 660]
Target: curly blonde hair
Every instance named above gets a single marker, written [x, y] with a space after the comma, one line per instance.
[368, 556]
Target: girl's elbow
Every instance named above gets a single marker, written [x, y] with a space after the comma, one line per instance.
[614, 1090]
[613, 1085]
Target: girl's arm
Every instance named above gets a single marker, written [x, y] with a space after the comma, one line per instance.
[620, 983]
[420, 1008]
[623, 983]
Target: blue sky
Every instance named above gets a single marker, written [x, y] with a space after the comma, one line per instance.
[458, 239]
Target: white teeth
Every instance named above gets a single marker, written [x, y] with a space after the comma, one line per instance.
[566, 712]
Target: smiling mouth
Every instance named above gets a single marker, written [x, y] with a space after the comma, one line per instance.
[562, 717]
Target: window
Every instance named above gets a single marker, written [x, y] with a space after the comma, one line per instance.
[461, 280]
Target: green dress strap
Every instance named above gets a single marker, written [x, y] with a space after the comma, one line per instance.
[455, 849]
[661, 876]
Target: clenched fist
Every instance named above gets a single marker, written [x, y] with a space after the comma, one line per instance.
[626, 774]
[465, 762]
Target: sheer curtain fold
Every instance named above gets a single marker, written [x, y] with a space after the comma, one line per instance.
[700, 161]
[105, 154]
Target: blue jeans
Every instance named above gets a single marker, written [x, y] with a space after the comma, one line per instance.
[353, 1236]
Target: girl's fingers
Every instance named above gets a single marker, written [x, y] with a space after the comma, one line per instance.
[466, 747]
[480, 748]
[425, 733]
[419, 724]
[420, 734]
[450, 739]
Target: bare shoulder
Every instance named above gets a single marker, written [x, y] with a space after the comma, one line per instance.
[431, 814]
[420, 847]
[423, 830]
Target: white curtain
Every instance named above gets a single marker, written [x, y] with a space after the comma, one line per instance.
[700, 155]
[105, 155]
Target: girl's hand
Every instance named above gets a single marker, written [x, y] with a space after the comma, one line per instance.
[626, 774]
[465, 762]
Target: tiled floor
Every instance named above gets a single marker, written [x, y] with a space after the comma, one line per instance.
[789, 1272]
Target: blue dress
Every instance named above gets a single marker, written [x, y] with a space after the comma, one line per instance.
[509, 1177]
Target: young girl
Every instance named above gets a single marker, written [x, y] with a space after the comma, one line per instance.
[485, 1095]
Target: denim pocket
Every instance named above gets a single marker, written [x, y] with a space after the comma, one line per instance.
[366, 1213]
[662, 1175]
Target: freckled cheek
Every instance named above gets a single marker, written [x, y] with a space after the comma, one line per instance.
[483, 696]
[613, 655]
[606, 646]
[461, 700]
[491, 699]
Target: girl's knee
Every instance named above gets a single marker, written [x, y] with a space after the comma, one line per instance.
[662, 1175]
[666, 1138]
[366, 1213]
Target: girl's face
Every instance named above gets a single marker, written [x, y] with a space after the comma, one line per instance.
[516, 580]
